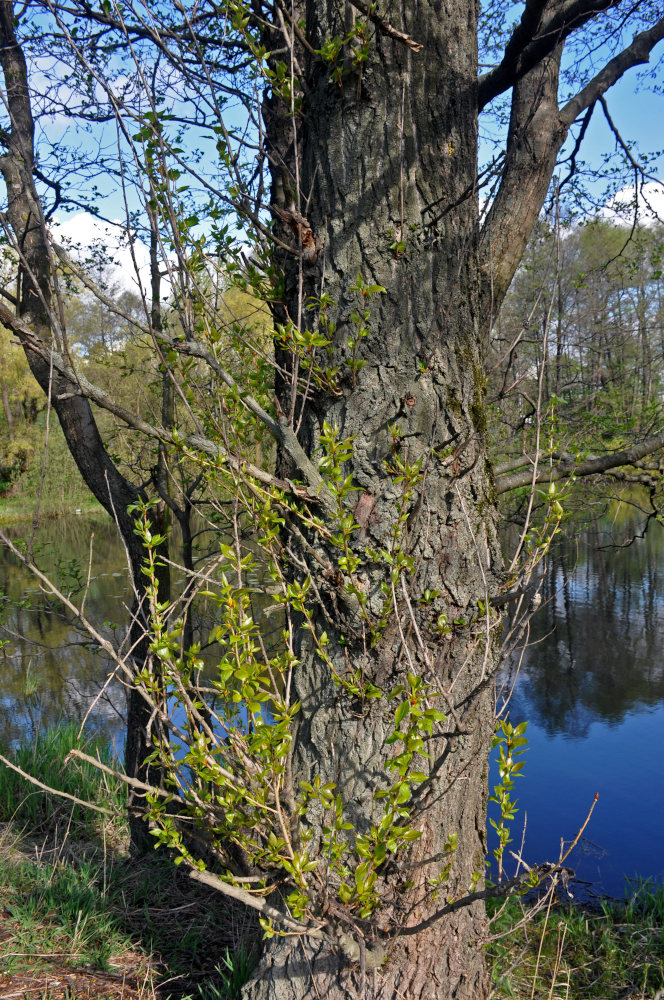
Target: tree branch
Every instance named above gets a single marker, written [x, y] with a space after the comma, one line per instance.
[78, 385]
[56, 791]
[537, 131]
[257, 903]
[634, 55]
[386, 28]
[531, 875]
[534, 140]
[524, 51]
[280, 430]
[590, 467]
[521, 36]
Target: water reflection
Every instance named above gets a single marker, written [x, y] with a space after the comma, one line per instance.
[50, 670]
[591, 685]
[591, 682]
[595, 651]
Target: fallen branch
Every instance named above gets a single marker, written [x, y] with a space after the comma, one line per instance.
[256, 903]
[56, 791]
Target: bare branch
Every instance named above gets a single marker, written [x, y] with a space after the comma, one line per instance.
[56, 791]
[256, 903]
[83, 276]
[80, 386]
[634, 55]
[532, 876]
[589, 467]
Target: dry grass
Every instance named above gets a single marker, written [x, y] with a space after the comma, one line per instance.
[81, 923]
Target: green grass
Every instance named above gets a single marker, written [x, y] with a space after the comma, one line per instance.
[232, 976]
[39, 811]
[18, 509]
[86, 913]
[71, 896]
[576, 953]
[59, 912]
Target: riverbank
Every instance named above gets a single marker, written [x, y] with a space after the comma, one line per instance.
[608, 951]
[81, 920]
[59, 485]
[15, 510]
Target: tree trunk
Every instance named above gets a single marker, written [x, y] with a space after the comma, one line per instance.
[38, 307]
[387, 164]
[9, 417]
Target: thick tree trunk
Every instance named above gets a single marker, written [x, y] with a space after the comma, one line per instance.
[387, 164]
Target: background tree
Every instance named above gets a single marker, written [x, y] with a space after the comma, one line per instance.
[22, 400]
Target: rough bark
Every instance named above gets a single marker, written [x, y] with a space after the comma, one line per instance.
[386, 158]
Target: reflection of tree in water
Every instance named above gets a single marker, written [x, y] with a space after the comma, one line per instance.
[596, 644]
[50, 671]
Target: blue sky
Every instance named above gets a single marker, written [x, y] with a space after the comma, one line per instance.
[637, 112]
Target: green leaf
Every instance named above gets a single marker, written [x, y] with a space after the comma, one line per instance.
[403, 794]
[401, 713]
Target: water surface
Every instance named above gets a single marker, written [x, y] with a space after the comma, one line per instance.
[591, 686]
[50, 669]
[591, 683]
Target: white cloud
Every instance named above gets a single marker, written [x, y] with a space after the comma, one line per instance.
[108, 252]
[647, 199]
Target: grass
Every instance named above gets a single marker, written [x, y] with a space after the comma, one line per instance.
[75, 909]
[615, 950]
[18, 509]
[82, 920]
[40, 811]
[57, 912]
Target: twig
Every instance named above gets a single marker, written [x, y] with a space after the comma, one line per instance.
[134, 782]
[242, 896]
[578, 836]
[55, 791]
[369, 11]
[540, 871]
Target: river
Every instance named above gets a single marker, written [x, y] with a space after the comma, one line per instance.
[591, 685]
[50, 670]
